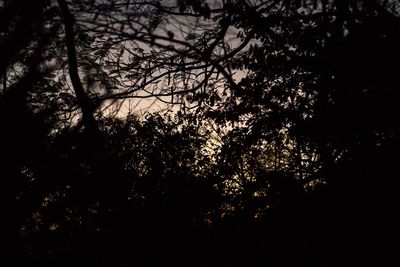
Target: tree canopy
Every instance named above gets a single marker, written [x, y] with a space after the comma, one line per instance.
[200, 133]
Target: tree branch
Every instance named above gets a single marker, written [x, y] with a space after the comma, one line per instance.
[84, 101]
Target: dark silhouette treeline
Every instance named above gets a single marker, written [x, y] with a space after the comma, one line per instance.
[305, 173]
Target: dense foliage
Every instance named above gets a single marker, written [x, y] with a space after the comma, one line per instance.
[276, 143]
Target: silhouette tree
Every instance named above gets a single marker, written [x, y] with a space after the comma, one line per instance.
[282, 152]
[318, 84]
